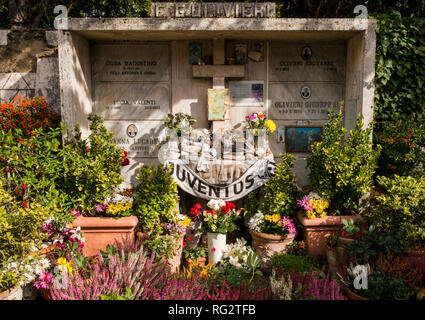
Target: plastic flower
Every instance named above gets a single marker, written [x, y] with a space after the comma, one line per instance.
[270, 126]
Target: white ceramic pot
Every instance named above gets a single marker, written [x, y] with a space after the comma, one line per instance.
[216, 246]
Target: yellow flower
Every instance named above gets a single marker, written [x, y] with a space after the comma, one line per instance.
[64, 265]
[270, 126]
[186, 222]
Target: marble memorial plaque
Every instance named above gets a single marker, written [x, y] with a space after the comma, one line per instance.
[299, 62]
[287, 102]
[141, 62]
[140, 139]
[132, 101]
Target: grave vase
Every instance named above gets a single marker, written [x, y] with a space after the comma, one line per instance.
[216, 246]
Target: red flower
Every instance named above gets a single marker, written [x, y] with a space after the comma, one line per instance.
[393, 167]
[196, 209]
[24, 186]
[125, 162]
[184, 243]
[189, 238]
[213, 249]
[405, 140]
[412, 146]
[25, 205]
[125, 153]
[225, 209]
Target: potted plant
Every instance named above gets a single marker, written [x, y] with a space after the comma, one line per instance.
[341, 174]
[194, 255]
[93, 174]
[113, 224]
[216, 221]
[271, 235]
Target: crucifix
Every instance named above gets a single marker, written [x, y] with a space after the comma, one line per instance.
[219, 72]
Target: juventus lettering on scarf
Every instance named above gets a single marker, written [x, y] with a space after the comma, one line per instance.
[255, 176]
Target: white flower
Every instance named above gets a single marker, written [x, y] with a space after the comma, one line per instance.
[255, 221]
[216, 204]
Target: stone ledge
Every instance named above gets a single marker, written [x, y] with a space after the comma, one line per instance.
[52, 38]
[3, 37]
[228, 71]
[218, 24]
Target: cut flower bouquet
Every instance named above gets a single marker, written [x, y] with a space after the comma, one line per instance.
[219, 218]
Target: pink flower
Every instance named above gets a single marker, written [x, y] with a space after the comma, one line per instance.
[213, 249]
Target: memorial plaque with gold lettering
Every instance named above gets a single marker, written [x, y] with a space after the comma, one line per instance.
[141, 62]
[299, 62]
[140, 138]
[289, 103]
[132, 101]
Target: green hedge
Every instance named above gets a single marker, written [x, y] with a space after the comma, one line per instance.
[400, 67]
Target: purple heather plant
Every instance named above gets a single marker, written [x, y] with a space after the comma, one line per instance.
[307, 286]
[244, 292]
[127, 268]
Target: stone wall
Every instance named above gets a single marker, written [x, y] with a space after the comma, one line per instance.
[29, 67]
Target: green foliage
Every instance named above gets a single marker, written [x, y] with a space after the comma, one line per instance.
[350, 226]
[163, 246]
[128, 295]
[156, 197]
[342, 172]
[193, 253]
[288, 262]
[92, 166]
[401, 208]
[384, 287]
[372, 244]
[279, 190]
[403, 146]
[110, 252]
[400, 66]
[20, 228]
[33, 167]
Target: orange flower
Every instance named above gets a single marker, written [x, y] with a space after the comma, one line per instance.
[412, 146]
[393, 167]
[405, 140]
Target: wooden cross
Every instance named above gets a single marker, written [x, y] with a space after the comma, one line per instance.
[218, 72]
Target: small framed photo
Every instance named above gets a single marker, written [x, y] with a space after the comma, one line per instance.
[241, 53]
[195, 53]
[300, 138]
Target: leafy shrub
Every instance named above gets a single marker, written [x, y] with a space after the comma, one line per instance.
[20, 228]
[381, 286]
[163, 246]
[27, 115]
[371, 244]
[403, 146]
[156, 197]
[193, 253]
[401, 208]
[400, 66]
[33, 166]
[342, 172]
[288, 262]
[279, 191]
[92, 166]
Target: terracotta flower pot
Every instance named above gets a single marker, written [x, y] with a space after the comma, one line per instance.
[99, 232]
[353, 296]
[341, 246]
[317, 229]
[15, 293]
[45, 293]
[175, 262]
[188, 263]
[268, 245]
[331, 257]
